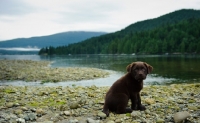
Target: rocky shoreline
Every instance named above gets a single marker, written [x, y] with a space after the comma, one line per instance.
[28, 70]
[31, 104]
[77, 104]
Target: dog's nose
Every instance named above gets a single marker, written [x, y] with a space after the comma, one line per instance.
[140, 73]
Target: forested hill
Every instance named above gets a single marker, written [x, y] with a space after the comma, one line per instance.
[176, 32]
[58, 39]
[169, 18]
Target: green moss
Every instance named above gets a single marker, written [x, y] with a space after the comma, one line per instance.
[61, 103]
[191, 101]
[9, 90]
[2, 102]
[52, 102]
[128, 114]
[33, 104]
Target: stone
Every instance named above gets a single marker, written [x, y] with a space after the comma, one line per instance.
[102, 115]
[147, 111]
[26, 117]
[16, 104]
[160, 120]
[32, 116]
[192, 108]
[76, 121]
[18, 111]
[9, 105]
[40, 112]
[74, 105]
[90, 120]
[149, 101]
[136, 114]
[181, 116]
[110, 121]
[46, 122]
[73, 121]
[67, 113]
[24, 108]
[20, 120]
[118, 121]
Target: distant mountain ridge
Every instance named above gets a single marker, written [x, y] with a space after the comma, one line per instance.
[175, 32]
[58, 39]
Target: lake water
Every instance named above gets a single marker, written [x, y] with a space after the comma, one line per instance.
[168, 69]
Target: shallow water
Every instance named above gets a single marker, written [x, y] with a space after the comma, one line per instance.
[108, 81]
[167, 68]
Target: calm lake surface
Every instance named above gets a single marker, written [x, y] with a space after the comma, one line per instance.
[168, 69]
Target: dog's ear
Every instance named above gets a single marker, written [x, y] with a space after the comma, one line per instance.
[129, 67]
[149, 68]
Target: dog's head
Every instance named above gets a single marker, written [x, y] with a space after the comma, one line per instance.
[139, 70]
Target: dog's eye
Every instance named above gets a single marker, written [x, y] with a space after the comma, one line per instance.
[143, 69]
[136, 69]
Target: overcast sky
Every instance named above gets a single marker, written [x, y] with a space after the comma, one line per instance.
[28, 18]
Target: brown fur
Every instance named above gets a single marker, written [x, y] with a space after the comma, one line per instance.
[127, 87]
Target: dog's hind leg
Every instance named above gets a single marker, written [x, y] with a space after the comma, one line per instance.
[106, 110]
[122, 105]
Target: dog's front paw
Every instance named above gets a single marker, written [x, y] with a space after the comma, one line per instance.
[133, 107]
[128, 110]
[141, 107]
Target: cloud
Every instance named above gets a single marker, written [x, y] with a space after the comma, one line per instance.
[14, 7]
[28, 18]
[21, 49]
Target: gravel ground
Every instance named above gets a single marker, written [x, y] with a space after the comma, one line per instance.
[27, 70]
[164, 104]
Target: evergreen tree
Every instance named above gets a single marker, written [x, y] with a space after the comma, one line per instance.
[178, 34]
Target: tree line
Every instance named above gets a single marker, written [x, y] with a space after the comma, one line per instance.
[180, 37]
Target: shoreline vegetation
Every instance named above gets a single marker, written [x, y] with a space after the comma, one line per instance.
[28, 70]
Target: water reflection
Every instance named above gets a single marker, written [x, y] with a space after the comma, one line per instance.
[184, 67]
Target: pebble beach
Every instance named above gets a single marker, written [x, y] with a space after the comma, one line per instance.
[77, 104]
[28, 70]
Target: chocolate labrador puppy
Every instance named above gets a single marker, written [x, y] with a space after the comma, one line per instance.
[127, 87]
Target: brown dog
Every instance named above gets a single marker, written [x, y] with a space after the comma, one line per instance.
[127, 87]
